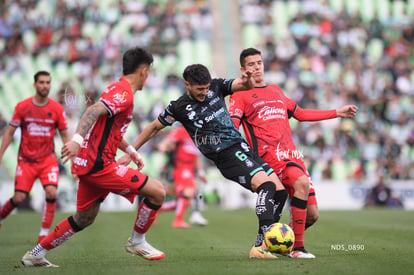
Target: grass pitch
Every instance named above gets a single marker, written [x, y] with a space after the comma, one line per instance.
[371, 241]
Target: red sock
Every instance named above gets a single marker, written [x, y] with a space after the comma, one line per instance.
[147, 212]
[298, 216]
[62, 232]
[48, 214]
[169, 205]
[7, 209]
[182, 206]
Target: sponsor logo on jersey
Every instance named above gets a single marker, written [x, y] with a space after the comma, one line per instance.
[214, 115]
[81, 162]
[210, 94]
[214, 101]
[268, 112]
[198, 123]
[35, 129]
[121, 170]
[120, 98]
[191, 115]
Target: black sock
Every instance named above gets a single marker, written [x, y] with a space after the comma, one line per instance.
[264, 208]
[280, 199]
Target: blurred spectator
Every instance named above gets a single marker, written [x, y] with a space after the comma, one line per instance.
[382, 195]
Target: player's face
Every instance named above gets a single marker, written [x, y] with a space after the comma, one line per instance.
[255, 64]
[42, 85]
[198, 92]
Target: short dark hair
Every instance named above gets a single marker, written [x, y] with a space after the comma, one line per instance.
[39, 73]
[247, 52]
[197, 74]
[135, 57]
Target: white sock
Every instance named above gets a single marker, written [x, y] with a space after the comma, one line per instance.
[38, 251]
[137, 238]
[44, 231]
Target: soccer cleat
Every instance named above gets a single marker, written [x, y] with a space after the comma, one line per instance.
[261, 252]
[31, 261]
[180, 224]
[301, 253]
[197, 219]
[145, 250]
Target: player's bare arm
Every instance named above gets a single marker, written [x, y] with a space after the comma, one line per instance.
[70, 149]
[347, 111]
[7, 139]
[64, 135]
[244, 83]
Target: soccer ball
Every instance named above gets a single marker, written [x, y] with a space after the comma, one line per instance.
[279, 238]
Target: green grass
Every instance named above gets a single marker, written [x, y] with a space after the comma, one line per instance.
[220, 248]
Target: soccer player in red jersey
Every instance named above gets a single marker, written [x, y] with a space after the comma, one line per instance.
[186, 161]
[93, 149]
[264, 113]
[38, 117]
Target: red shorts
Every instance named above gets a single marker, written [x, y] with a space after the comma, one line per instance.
[288, 172]
[183, 176]
[115, 178]
[46, 170]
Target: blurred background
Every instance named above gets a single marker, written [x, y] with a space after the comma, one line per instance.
[322, 53]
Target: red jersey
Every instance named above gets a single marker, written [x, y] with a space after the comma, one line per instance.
[264, 113]
[101, 143]
[38, 125]
[185, 152]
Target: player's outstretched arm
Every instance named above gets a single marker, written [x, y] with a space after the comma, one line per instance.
[244, 83]
[347, 111]
[70, 149]
[151, 130]
[7, 139]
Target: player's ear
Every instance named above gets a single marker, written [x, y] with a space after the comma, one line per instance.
[187, 84]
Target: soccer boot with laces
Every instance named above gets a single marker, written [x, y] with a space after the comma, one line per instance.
[144, 250]
[31, 261]
[261, 252]
[301, 253]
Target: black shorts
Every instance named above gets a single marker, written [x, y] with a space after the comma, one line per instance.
[239, 163]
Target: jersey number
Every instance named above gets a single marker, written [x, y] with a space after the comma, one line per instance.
[241, 156]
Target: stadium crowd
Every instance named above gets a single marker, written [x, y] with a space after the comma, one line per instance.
[326, 57]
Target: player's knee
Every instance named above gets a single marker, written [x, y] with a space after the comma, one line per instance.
[50, 193]
[18, 198]
[158, 195]
[302, 185]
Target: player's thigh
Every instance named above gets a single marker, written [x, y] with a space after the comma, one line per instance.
[49, 177]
